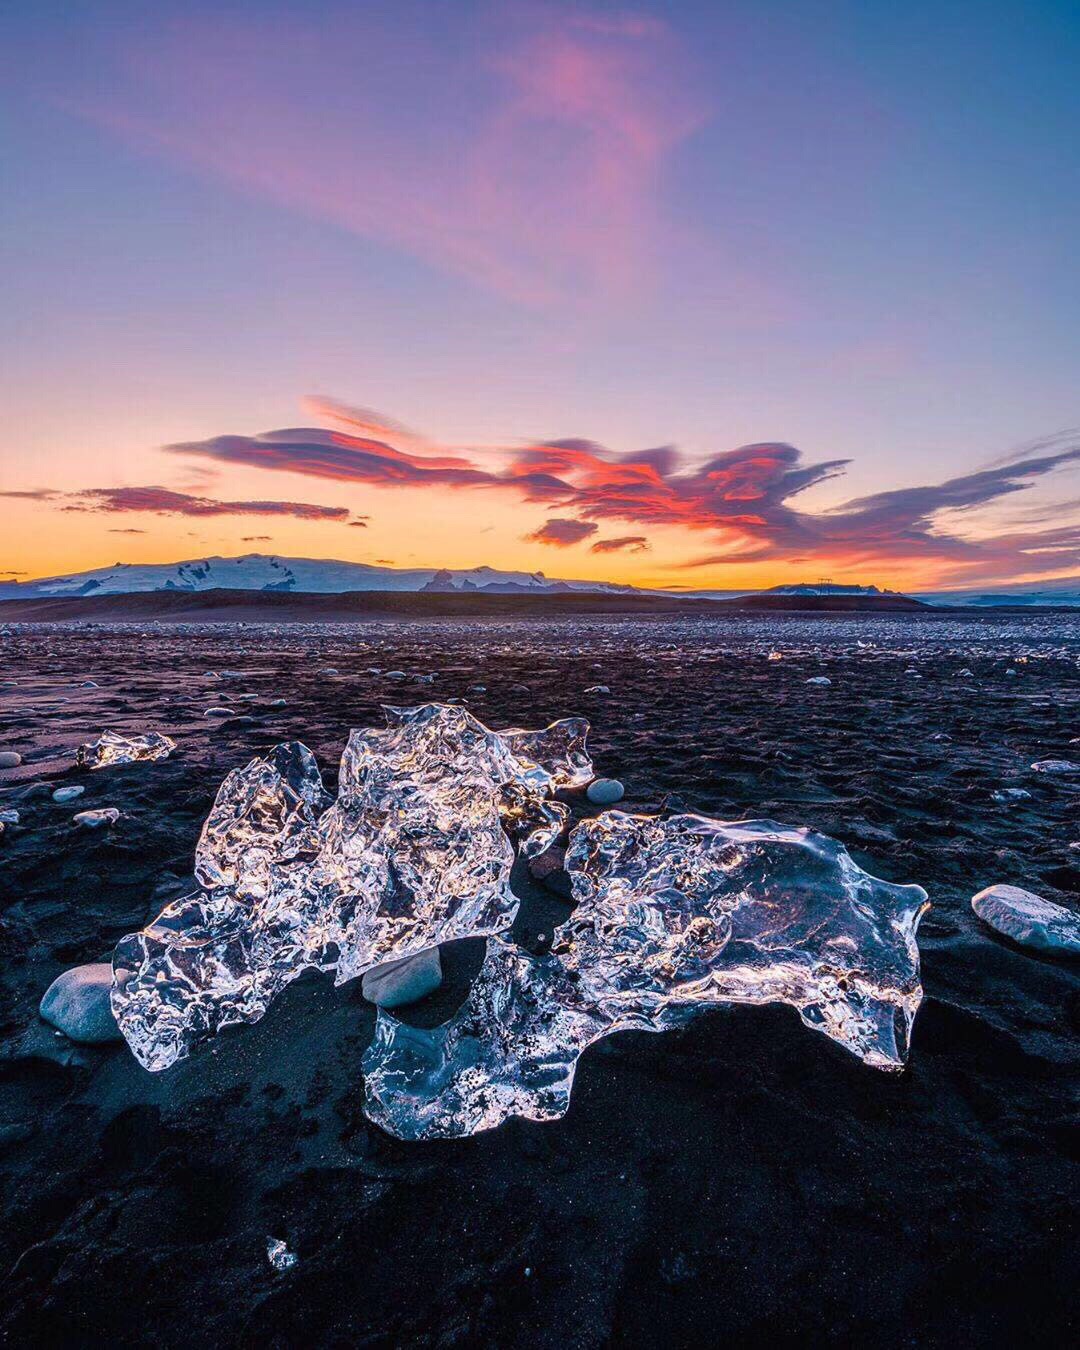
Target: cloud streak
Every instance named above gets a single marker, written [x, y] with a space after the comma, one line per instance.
[164, 502]
[745, 501]
[524, 155]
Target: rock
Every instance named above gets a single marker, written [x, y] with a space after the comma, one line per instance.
[68, 794]
[819, 679]
[77, 1003]
[96, 820]
[9, 817]
[399, 982]
[1011, 795]
[10, 759]
[218, 712]
[1056, 766]
[598, 689]
[549, 869]
[1028, 918]
[605, 791]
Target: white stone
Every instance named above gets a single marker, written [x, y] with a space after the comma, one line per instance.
[77, 1003]
[96, 820]
[218, 712]
[605, 791]
[9, 817]
[399, 982]
[68, 794]
[10, 759]
[598, 689]
[1028, 918]
[1058, 766]
[819, 679]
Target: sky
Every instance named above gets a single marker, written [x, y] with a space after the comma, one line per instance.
[693, 295]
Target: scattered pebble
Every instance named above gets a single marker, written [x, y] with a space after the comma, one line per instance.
[396, 983]
[68, 794]
[1056, 766]
[10, 759]
[218, 712]
[96, 820]
[598, 689]
[819, 679]
[1028, 918]
[1010, 795]
[9, 816]
[605, 791]
[77, 1003]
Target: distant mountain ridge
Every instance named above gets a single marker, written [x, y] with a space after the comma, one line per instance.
[269, 572]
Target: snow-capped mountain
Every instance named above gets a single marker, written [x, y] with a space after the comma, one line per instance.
[262, 572]
[1056, 591]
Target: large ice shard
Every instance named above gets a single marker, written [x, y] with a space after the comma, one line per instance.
[673, 915]
[112, 748]
[415, 851]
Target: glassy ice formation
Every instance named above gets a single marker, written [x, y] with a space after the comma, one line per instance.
[112, 748]
[415, 851]
[672, 915]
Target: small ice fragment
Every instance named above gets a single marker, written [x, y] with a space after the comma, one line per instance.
[68, 794]
[10, 759]
[1056, 766]
[598, 689]
[395, 675]
[277, 703]
[112, 748]
[96, 820]
[819, 679]
[1028, 918]
[605, 791]
[776, 656]
[89, 684]
[218, 712]
[327, 670]
[1010, 671]
[279, 1255]
[966, 674]
[9, 816]
[1010, 794]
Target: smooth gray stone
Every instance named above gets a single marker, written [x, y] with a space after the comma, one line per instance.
[1028, 918]
[77, 1003]
[605, 791]
[10, 759]
[396, 983]
[67, 794]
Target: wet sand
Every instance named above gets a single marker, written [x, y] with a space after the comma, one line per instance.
[741, 1180]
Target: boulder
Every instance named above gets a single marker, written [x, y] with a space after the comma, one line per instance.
[77, 1003]
[396, 983]
[1028, 918]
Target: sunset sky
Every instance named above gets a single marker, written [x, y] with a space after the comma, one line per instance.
[691, 294]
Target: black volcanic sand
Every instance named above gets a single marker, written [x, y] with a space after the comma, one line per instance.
[743, 1181]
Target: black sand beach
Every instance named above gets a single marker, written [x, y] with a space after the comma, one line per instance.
[742, 1181]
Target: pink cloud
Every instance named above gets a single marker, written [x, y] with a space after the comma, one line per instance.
[627, 543]
[164, 502]
[744, 499]
[526, 155]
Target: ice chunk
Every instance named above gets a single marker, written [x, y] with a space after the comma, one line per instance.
[112, 748]
[1064, 767]
[673, 915]
[1028, 918]
[415, 851]
[96, 820]
[279, 1256]
[399, 982]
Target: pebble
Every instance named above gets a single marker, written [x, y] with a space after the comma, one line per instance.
[1028, 918]
[9, 816]
[67, 794]
[605, 791]
[95, 820]
[1058, 766]
[218, 712]
[819, 679]
[77, 1003]
[1011, 795]
[395, 983]
[598, 689]
[10, 759]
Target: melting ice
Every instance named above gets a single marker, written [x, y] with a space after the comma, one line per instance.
[112, 748]
[673, 914]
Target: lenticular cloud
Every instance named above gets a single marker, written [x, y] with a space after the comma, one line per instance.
[673, 914]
